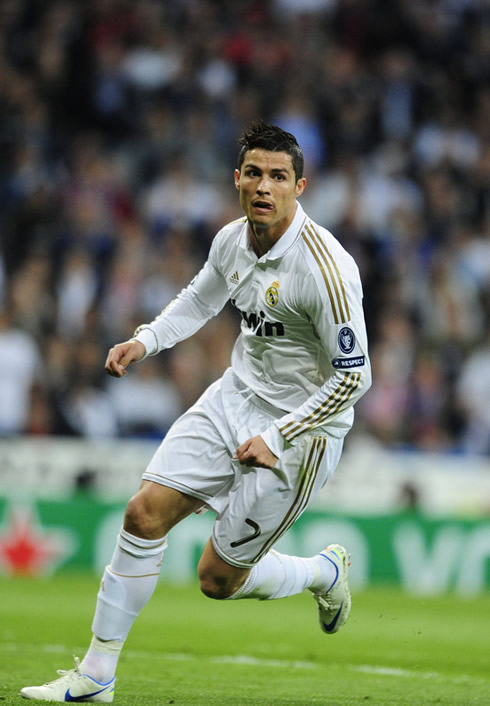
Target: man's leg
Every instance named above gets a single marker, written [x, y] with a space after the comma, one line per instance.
[274, 576]
[127, 585]
[131, 577]
[239, 562]
[279, 575]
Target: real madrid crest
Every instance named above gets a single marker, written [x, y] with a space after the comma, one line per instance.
[272, 294]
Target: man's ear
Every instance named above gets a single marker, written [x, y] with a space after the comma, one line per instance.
[300, 186]
[237, 179]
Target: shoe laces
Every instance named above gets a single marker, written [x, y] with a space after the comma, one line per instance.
[322, 598]
[66, 672]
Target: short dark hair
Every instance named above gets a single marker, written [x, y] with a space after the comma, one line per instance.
[274, 139]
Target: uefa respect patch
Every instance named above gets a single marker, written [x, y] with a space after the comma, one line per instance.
[343, 363]
[346, 340]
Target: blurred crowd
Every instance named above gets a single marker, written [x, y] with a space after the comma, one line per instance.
[118, 126]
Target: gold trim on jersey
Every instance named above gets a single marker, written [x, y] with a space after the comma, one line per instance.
[309, 474]
[328, 407]
[330, 273]
[241, 219]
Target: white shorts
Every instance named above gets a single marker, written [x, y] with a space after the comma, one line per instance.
[254, 506]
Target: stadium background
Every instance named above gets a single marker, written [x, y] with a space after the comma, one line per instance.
[118, 129]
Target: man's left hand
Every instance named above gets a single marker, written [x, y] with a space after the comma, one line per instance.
[255, 452]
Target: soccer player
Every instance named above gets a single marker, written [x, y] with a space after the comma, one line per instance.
[261, 441]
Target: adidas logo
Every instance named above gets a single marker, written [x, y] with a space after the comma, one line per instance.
[234, 278]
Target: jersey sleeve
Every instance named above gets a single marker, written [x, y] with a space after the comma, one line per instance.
[334, 306]
[202, 299]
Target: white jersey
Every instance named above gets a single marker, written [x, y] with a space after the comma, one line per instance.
[303, 345]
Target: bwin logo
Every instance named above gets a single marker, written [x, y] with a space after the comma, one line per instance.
[260, 326]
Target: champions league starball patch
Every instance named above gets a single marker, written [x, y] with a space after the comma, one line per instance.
[347, 340]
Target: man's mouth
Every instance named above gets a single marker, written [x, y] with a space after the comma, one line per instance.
[262, 205]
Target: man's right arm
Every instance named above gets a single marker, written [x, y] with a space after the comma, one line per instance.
[202, 299]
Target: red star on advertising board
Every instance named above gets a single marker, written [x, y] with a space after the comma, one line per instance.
[27, 549]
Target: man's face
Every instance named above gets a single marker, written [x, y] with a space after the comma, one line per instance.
[268, 191]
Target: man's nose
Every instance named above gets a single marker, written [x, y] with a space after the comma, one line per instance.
[263, 186]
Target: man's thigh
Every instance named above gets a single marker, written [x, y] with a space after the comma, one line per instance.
[263, 504]
[155, 509]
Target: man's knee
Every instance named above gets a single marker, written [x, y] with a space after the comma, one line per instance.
[143, 518]
[136, 516]
[215, 590]
[215, 586]
[220, 584]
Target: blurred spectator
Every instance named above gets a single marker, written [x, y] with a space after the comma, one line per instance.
[331, 194]
[147, 402]
[170, 271]
[296, 116]
[86, 405]
[454, 311]
[179, 200]
[428, 395]
[151, 65]
[384, 187]
[20, 369]
[3, 285]
[385, 405]
[188, 372]
[303, 6]
[77, 288]
[473, 394]
[449, 141]
[473, 256]
[32, 301]
[398, 73]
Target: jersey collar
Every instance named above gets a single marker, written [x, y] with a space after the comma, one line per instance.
[285, 241]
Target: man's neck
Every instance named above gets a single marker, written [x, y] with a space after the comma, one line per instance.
[259, 241]
[263, 239]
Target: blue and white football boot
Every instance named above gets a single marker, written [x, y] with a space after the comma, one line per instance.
[72, 686]
[334, 604]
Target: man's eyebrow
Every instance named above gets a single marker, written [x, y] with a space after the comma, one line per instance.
[251, 165]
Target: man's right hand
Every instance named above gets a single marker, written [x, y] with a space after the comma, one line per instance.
[122, 355]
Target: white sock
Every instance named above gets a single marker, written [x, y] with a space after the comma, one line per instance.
[101, 659]
[127, 585]
[280, 575]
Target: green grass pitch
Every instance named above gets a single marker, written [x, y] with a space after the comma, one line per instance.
[188, 650]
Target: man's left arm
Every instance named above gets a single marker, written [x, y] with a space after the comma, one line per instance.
[345, 341]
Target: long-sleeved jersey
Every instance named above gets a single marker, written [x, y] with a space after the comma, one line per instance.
[303, 344]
